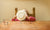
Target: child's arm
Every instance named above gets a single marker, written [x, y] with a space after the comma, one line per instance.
[27, 17]
[13, 19]
[30, 18]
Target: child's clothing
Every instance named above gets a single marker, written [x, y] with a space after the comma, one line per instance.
[30, 19]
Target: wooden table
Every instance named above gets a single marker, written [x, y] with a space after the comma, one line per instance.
[25, 25]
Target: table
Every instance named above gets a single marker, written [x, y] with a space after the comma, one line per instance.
[25, 25]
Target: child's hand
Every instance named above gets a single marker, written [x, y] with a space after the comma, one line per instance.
[14, 17]
[27, 17]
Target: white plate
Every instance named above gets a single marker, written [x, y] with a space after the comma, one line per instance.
[21, 15]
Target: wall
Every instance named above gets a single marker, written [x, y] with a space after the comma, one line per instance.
[7, 8]
[42, 10]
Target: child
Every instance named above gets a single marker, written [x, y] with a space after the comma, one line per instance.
[26, 19]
